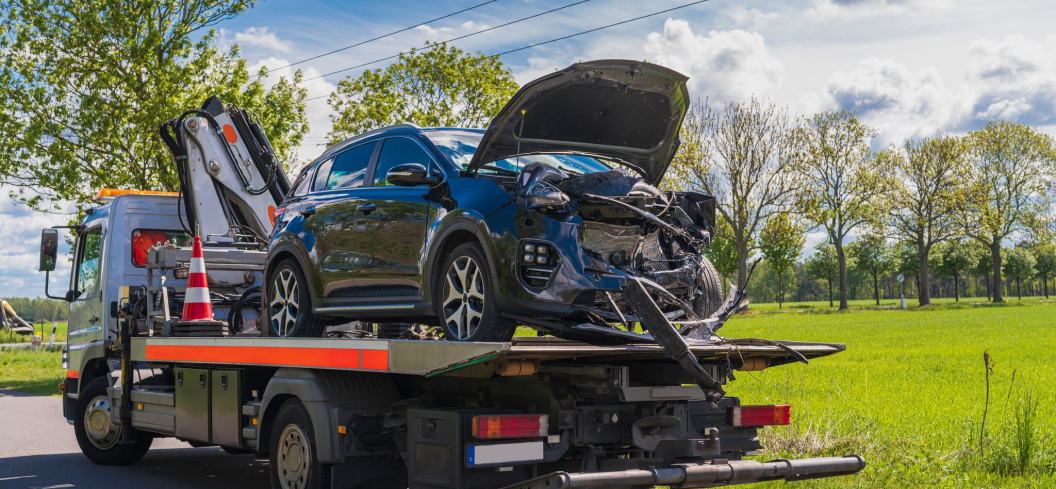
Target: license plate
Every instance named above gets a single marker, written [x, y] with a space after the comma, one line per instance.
[504, 453]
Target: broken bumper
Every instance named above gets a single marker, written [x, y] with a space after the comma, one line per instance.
[703, 475]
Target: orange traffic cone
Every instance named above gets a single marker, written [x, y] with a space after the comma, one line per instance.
[196, 303]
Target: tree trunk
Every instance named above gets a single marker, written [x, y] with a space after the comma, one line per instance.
[742, 265]
[780, 292]
[995, 256]
[1045, 285]
[924, 297]
[1019, 288]
[841, 257]
[956, 287]
[989, 290]
[876, 288]
[830, 292]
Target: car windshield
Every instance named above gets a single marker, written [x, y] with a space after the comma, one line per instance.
[459, 147]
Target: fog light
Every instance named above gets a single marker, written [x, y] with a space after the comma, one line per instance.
[528, 258]
[541, 249]
[528, 247]
[541, 259]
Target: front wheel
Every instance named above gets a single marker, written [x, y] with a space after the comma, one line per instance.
[294, 456]
[289, 311]
[467, 308]
[98, 436]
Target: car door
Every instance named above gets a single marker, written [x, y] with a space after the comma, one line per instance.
[329, 213]
[391, 224]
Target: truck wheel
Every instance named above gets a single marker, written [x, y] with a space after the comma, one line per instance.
[467, 310]
[98, 436]
[709, 295]
[293, 460]
[290, 304]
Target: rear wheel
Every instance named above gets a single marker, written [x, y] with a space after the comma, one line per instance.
[467, 307]
[98, 436]
[293, 456]
[290, 304]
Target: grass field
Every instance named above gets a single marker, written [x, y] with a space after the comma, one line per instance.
[7, 336]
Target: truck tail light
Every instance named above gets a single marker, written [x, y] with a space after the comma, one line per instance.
[511, 426]
[744, 416]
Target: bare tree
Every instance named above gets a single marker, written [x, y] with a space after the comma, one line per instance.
[744, 154]
[846, 183]
[1008, 163]
[930, 175]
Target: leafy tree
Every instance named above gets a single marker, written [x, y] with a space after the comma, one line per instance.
[984, 267]
[873, 256]
[958, 257]
[439, 85]
[1019, 266]
[929, 176]
[846, 183]
[782, 241]
[823, 265]
[723, 251]
[1045, 254]
[84, 86]
[744, 154]
[1009, 163]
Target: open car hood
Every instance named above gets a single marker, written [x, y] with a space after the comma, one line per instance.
[621, 110]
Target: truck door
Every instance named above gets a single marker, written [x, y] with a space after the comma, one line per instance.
[86, 320]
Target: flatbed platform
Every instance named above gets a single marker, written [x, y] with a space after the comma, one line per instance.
[430, 358]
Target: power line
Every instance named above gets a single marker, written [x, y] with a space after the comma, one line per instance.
[530, 46]
[432, 46]
[405, 29]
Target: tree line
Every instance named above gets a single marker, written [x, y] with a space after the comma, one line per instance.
[943, 206]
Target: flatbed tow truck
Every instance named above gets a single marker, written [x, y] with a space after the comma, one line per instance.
[357, 410]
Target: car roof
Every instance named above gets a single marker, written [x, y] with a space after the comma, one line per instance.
[402, 128]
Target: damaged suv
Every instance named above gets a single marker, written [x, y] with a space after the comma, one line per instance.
[544, 219]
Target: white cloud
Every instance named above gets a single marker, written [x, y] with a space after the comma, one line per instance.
[725, 65]
[317, 111]
[752, 17]
[833, 10]
[1013, 78]
[19, 255]
[443, 33]
[262, 37]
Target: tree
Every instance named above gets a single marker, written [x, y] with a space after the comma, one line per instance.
[927, 194]
[873, 256]
[743, 154]
[823, 265]
[846, 183]
[438, 85]
[723, 251]
[1045, 254]
[1019, 266]
[958, 257]
[1009, 163]
[984, 267]
[85, 85]
[782, 241]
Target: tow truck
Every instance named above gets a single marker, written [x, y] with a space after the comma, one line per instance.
[354, 409]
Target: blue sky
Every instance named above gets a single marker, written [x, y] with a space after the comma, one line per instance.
[908, 67]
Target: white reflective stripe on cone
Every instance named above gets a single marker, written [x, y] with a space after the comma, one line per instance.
[197, 295]
[197, 265]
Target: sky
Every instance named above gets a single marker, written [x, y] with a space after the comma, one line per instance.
[909, 68]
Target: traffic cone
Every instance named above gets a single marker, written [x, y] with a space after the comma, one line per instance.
[196, 303]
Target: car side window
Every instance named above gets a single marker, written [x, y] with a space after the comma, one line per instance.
[321, 174]
[397, 151]
[88, 266]
[350, 167]
[300, 188]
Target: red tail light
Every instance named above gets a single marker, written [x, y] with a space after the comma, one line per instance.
[743, 416]
[511, 426]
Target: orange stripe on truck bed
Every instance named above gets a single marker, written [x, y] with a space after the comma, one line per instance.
[340, 358]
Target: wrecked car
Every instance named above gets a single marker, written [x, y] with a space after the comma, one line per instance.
[551, 217]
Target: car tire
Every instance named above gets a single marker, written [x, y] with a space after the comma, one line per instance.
[289, 308]
[469, 313]
[709, 294]
[293, 455]
[97, 436]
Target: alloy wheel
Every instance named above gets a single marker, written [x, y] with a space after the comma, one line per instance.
[463, 297]
[101, 431]
[285, 303]
[295, 458]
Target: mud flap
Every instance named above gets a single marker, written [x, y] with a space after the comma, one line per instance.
[668, 337]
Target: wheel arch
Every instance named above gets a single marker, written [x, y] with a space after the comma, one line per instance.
[454, 234]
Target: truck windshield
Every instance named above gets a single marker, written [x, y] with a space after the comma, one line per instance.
[459, 146]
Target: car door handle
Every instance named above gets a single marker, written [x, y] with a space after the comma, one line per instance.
[366, 209]
[307, 211]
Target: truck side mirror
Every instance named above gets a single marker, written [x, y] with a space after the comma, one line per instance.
[49, 249]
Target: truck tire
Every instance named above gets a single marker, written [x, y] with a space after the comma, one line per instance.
[289, 308]
[467, 308]
[97, 436]
[292, 455]
[709, 296]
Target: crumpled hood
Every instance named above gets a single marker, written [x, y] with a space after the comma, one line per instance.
[628, 111]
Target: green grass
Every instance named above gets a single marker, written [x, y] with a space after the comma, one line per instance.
[32, 371]
[7, 336]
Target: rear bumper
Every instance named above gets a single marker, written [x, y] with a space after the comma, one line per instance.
[705, 475]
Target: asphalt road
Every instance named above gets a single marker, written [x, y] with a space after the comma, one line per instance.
[38, 451]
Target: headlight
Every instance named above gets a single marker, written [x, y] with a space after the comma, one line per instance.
[545, 197]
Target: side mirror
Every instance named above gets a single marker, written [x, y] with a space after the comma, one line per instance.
[410, 175]
[49, 249]
[71, 295]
